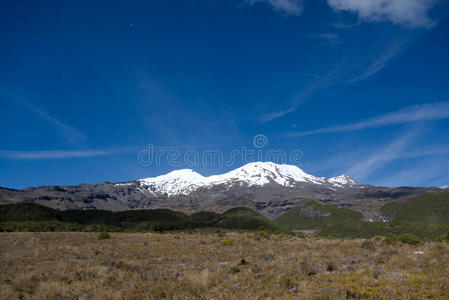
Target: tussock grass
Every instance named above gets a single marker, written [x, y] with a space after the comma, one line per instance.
[197, 266]
[103, 236]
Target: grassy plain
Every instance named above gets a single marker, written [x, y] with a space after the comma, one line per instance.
[207, 265]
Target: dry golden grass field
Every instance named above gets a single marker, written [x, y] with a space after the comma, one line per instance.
[211, 266]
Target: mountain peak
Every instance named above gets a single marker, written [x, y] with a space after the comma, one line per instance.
[182, 172]
[252, 174]
[174, 183]
[260, 173]
[184, 181]
[343, 180]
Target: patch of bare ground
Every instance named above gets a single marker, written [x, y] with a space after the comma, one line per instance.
[201, 266]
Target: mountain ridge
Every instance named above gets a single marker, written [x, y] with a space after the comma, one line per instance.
[258, 173]
[268, 188]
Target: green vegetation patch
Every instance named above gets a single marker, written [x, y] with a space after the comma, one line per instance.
[427, 208]
[35, 217]
[426, 217]
[103, 236]
[316, 215]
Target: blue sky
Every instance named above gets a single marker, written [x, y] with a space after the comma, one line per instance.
[359, 87]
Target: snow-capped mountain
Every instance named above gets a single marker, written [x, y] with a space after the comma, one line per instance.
[343, 180]
[183, 182]
[174, 183]
[266, 187]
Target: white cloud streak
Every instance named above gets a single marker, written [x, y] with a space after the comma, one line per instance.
[343, 73]
[341, 25]
[370, 61]
[70, 133]
[51, 154]
[361, 160]
[299, 98]
[381, 157]
[275, 115]
[409, 13]
[419, 174]
[290, 7]
[378, 63]
[85, 153]
[434, 111]
[423, 152]
[328, 36]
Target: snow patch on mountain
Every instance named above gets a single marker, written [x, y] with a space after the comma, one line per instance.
[183, 182]
[261, 173]
[343, 180]
[124, 184]
[174, 183]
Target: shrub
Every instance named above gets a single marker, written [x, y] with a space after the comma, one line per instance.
[378, 238]
[368, 245]
[442, 238]
[264, 234]
[351, 294]
[308, 269]
[228, 243]
[286, 283]
[409, 238]
[104, 236]
[234, 270]
[389, 239]
[300, 235]
[331, 267]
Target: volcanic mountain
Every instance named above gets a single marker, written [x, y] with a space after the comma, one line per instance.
[265, 186]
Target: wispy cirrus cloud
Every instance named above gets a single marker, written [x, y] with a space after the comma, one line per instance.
[68, 132]
[275, 115]
[435, 150]
[313, 87]
[290, 7]
[85, 153]
[360, 160]
[381, 156]
[410, 13]
[433, 111]
[70, 153]
[343, 73]
[373, 59]
[295, 102]
[418, 174]
[51, 154]
[341, 25]
[378, 63]
[164, 113]
[330, 38]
